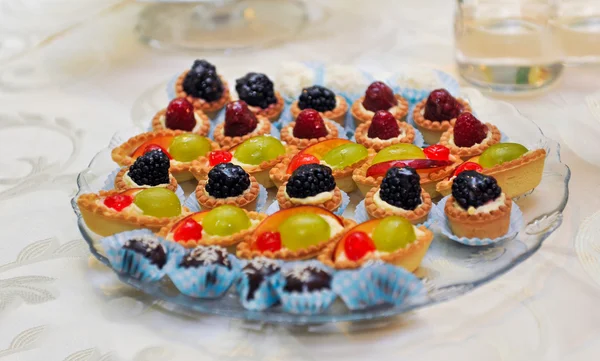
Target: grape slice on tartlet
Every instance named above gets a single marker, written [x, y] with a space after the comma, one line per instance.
[326, 102]
[224, 226]
[382, 131]
[202, 86]
[256, 89]
[399, 194]
[310, 184]
[379, 96]
[469, 137]
[180, 114]
[392, 239]
[434, 164]
[308, 129]
[228, 183]
[436, 114]
[240, 124]
[181, 147]
[151, 169]
[516, 169]
[294, 234]
[110, 212]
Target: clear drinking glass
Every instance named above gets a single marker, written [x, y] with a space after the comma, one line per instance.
[507, 45]
[577, 29]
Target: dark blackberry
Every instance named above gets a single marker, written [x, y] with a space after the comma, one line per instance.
[202, 81]
[150, 169]
[401, 187]
[148, 247]
[318, 98]
[472, 189]
[227, 180]
[256, 89]
[205, 256]
[306, 278]
[309, 180]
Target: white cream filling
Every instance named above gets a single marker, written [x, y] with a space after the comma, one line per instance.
[196, 128]
[486, 208]
[131, 183]
[400, 136]
[395, 110]
[385, 205]
[378, 254]
[487, 138]
[334, 225]
[316, 199]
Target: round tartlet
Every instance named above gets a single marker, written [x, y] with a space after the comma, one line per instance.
[416, 216]
[273, 111]
[337, 114]
[202, 122]
[262, 128]
[246, 200]
[491, 224]
[432, 130]
[493, 137]
[331, 204]
[287, 135]
[122, 182]
[361, 114]
[407, 135]
[206, 107]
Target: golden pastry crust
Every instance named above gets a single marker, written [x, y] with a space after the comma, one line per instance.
[408, 258]
[337, 114]
[331, 204]
[278, 173]
[469, 152]
[399, 111]
[223, 241]
[416, 216]
[377, 144]
[202, 104]
[245, 251]
[273, 111]
[491, 224]
[207, 201]
[204, 124]
[122, 154]
[121, 184]
[287, 135]
[435, 125]
[263, 127]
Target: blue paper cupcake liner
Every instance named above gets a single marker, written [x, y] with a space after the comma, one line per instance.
[264, 296]
[516, 222]
[109, 184]
[274, 207]
[361, 215]
[375, 284]
[210, 281]
[307, 303]
[191, 202]
[134, 264]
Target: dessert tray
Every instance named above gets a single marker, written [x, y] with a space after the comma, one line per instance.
[451, 266]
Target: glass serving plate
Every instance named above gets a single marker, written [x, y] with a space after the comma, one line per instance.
[448, 270]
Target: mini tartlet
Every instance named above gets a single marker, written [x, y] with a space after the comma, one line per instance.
[310, 184]
[191, 85]
[294, 234]
[257, 91]
[227, 183]
[240, 124]
[382, 131]
[149, 170]
[379, 96]
[436, 114]
[181, 115]
[469, 137]
[323, 100]
[123, 182]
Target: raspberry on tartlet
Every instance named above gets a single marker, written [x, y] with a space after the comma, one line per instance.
[203, 87]
[379, 96]
[257, 91]
[384, 130]
[181, 115]
[308, 129]
[469, 137]
[239, 125]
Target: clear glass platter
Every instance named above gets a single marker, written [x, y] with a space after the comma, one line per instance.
[449, 269]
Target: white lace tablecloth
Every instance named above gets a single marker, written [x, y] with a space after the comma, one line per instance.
[61, 99]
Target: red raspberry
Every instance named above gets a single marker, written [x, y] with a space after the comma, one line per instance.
[180, 115]
[309, 125]
[383, 126]
[239, 120]
[379, 96]
[468, 130]
[441, 106]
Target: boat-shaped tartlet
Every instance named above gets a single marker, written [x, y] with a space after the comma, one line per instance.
[323, 100]
[379, 96]
[436, 114]
[341, 155]
[382, 131]
[181, 147]
[516, 169]
[223, 226]
[110, 212]
[469, 137]
[181, 115]
[227, 183]
[149, 170]
[308, 129]
[240, 125]
[310, 184]
[433, 164]
[258, 92]
[392, 240]
[294, 234]
[193, 85]
[400, 194]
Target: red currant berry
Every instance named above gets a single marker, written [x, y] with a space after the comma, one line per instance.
[301, 159]
[152, 147]
[118, 202]
[218, 157]
[437, 152]
[268, 241]
[357, 245]
[189, 229]
[467, 166]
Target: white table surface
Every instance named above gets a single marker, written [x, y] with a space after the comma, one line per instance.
[61, 102]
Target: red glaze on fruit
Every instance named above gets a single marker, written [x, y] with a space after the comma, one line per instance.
[219, 156]
[383, 126]
[159, 142]
[421, 165]
[379, 96]
[467, 166]
[187, 230]
[357, 245]
[469, 131]
[239, 120]
[366, 227]
[310, 125]
[320, 149]
[437, 152]
[441, 106]
[268, 241]
[301, 159]
[118, 202]
[180, 115]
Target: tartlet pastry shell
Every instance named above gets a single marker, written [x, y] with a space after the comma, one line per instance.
[481, 225]
[331, 205]
[377, 144]
[204, 126]
[467, 153]
[287, 135]
[121, 185]
[207, 107]
[263, 127]
[416, 216]
[246, 200]
[432, 130]
[362, 115]
[273, 111]
[337, 114]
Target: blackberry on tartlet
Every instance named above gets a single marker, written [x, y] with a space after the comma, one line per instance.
[149, 170]
[472, 189]
[323, 100]
[310, 184]
[227, 183]
[203, 87]
[258, 91]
